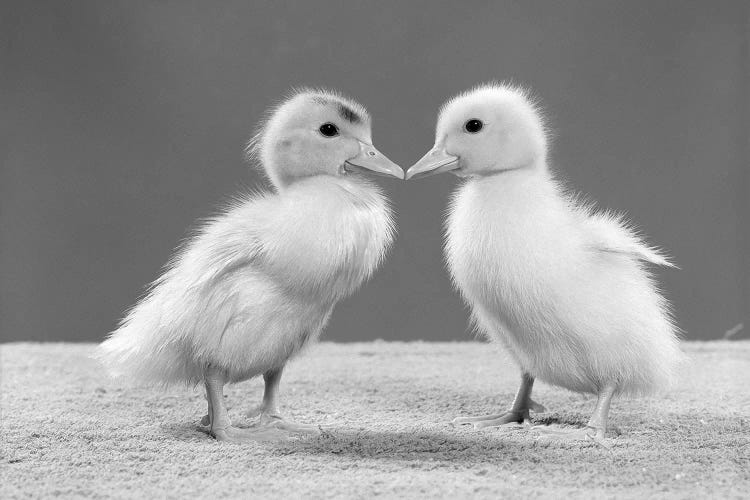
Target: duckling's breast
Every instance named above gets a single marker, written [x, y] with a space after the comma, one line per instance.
[507, 241]
[329, 236]
[507, 238]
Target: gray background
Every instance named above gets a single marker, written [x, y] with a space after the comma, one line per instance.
[124, 122]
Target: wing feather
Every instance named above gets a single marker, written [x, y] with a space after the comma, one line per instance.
[609, 232]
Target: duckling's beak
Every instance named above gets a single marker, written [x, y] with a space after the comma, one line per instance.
[373, 161]
[436, 161]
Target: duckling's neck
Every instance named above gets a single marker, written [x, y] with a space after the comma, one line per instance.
[287, 183]
[515, 193]
[532, 167]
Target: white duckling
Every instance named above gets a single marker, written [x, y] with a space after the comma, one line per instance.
[259, 281]
[563, 287]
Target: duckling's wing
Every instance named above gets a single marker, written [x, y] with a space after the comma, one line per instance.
[221, 244]
[612, 233]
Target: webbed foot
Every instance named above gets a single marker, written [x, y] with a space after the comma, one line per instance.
[511, 419]
[240, 435]
[514, 418]
[275, 421]
[586, 434]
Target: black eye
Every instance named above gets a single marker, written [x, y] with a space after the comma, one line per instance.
[329, 130]
[473, 126]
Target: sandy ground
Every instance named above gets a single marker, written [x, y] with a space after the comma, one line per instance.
[68, 430]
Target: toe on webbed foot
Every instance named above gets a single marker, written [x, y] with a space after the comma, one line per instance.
[255, 412]
[509, 420]
[297, 428]
[536, 407]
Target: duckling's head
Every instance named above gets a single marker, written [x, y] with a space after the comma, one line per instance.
[490, 129]
[318, 132]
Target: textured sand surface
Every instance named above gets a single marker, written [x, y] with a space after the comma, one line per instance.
[69, 430]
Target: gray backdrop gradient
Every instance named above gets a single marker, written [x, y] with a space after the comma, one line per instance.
[124, 122]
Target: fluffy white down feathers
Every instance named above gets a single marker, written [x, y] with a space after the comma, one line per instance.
[564, 288]
[259, 281]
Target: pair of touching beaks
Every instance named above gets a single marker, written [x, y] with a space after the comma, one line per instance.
[369, 159]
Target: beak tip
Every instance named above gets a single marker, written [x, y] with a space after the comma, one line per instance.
[398, 173]
[375, 162]
[436, 161]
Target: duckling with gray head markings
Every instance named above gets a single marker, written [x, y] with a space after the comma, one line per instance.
[259, 281]
[564, 288]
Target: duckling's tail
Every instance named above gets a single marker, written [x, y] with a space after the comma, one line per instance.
[143, 351]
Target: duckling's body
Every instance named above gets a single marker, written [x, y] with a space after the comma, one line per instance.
[259, 281]
[564, 288]
[541, 275]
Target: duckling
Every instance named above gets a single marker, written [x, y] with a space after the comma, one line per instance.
[563, 287]
[259, 281]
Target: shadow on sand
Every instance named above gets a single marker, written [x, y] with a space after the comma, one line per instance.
[460, 444]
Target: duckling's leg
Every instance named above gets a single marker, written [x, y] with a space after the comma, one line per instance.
[268, 411]
[219, 425]
[594, 430]
[518, 413]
